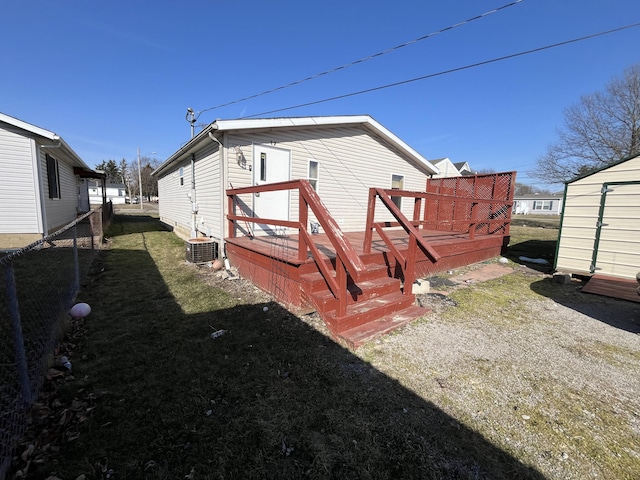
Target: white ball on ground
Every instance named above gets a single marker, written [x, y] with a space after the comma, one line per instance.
[80, 310]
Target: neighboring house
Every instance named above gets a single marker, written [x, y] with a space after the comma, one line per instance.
[43, 183]
[537, 204]
[116, 193]
[464, 168]
[446, 168]
[600, 223]
[341, 156]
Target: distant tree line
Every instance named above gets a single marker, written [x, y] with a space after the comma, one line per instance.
[127, 174]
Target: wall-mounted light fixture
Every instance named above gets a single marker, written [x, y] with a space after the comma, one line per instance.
[240, 158]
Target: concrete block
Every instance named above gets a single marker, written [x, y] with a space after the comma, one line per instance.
[562, 278]
[420, 287]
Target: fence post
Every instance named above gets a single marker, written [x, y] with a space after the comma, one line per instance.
[16, 326]
[76, 261]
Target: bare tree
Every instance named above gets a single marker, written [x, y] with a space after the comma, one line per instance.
[126, 176]
[600, 129]
[149, 183]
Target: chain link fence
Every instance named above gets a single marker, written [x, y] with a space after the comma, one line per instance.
[37, 289]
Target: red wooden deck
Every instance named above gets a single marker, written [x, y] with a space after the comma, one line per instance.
[272, 263]
[361, 283]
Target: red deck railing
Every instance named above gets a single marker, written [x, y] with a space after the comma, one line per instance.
[347, 259]
[446, 208]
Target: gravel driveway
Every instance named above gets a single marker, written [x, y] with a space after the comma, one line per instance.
[554, 380]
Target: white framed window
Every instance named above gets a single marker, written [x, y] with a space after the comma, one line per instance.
[397, 183]
[314, 174]
[543, 204]
[53, 177]
[181, 176]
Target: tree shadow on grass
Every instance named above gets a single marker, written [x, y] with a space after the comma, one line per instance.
[270, 398]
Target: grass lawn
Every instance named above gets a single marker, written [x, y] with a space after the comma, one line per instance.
[272, 398]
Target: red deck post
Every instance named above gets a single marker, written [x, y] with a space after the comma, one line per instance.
[368, 231]
[417, 207]
[410, 265]
[303, 216]
[341, 277]
[474, 220]
[231, 210]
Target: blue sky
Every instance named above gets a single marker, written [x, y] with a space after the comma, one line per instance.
[113, 76]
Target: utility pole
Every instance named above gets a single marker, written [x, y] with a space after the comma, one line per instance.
[191, 117]
[140, 179]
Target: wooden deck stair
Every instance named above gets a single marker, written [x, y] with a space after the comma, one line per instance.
[375, 305]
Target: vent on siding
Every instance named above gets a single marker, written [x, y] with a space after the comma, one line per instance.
[201, 250]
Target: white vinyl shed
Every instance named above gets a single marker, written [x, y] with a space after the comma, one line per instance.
[600, 223]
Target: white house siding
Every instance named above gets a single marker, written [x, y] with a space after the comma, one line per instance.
[18, 184]
[619, 247]
[208, 195]
[59, 211]
[174, 204]
[175, 207]
[350, 162]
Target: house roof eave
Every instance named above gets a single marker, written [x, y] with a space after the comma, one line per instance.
[42, 135]
[267, 123]
[188, 148]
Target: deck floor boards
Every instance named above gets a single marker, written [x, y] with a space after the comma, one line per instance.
[613, 287]
[285, 247]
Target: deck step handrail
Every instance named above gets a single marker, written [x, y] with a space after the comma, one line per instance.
[347, 260]
[403, 222]
[407, 264]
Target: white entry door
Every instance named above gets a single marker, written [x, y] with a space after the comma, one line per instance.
[271, 165]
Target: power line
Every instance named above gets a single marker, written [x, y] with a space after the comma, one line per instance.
[445, 72]
[362, 60]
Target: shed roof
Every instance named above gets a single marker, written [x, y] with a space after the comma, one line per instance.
[298, 122]
[612, 164]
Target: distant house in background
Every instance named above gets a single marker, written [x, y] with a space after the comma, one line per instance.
[116, 193]
[600, 224]
[464, 168]
[537, 204]
[446, 168]
[341, 156]
[43, 183]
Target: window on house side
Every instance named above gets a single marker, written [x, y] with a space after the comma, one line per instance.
[181, 176]
[542, 204]
[314, 168]
[53, 177]
[397, 183]
[263, 167]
